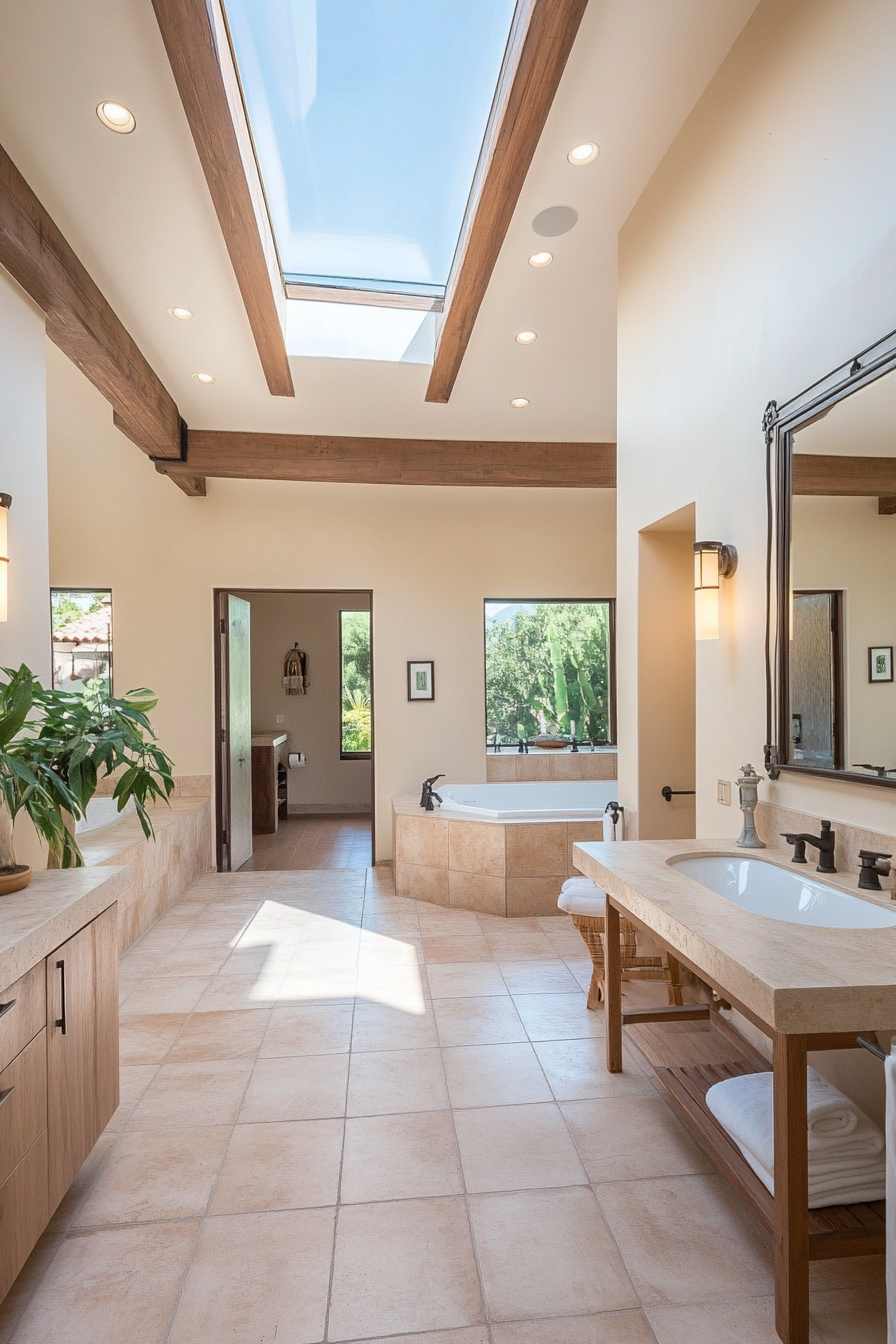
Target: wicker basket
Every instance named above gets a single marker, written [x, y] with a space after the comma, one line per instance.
[593, 932]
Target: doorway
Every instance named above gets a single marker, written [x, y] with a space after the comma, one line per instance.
[294, 719]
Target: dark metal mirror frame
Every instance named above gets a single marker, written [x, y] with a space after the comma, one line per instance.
[780, 423]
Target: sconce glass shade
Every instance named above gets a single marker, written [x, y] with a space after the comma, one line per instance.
[713, 560]
[5, 501]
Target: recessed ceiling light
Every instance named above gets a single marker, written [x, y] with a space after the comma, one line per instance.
[526, 337]
[182, 314]
[541, 259]
[583, 154]
[203, 377]
[519, 403]
[117, 117]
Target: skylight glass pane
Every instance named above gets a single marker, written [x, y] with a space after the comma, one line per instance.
[368, 117]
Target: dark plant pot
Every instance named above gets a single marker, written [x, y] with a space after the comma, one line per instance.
[15, 879]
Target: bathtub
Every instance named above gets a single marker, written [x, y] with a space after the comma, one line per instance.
[554, 800]
[102, 812]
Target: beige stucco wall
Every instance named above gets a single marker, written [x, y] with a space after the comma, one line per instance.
[431, 555]
[313, 722]
[761, 254]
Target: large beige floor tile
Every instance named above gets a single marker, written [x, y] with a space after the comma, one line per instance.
[612, 1327]
[192, 961]
[393, 1081]
[494, 1075]
[517, 1148]
[379, 1027]
[851, 1316]
[134, 1079]
[538, 977]
[519, 945]
[476, 1334]
[686, 1239]
[156, 1174]
[167, 994]
[317, 985]
[302, 1087]
[442, 948]
[205, 1092]
[734, 1321]
[226, 992]
[437, 921]
[97, 1289]
[464, 980]
[146, 1038]
[308, 1029]
[632, 1138]
[403, 1267]
[400, 1157]
[403, 987]
[256, 1278]
[576, 1071]
[547, 1253]
[235, 1035]
[478, 1021]
[558, 1017]
[285, 1165]
[82, 1185]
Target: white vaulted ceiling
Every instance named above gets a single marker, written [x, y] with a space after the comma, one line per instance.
[137, 211]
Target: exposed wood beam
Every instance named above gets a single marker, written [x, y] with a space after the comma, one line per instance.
[206, 79]
[313, 457]
[79, 319]
[820, 474]
[541, 39]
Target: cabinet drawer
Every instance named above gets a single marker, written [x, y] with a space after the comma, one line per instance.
[23, 1103]
[23, 1212]
[23, 1011]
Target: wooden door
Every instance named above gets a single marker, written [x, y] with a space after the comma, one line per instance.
[236, 744]
[82, 1047]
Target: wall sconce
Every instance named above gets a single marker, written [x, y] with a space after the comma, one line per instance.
[713, 560]
[5, 501]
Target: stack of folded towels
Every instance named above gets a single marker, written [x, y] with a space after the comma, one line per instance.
[847, 1161]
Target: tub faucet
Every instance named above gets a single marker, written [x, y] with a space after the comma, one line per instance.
[428, 795]
[824, 843]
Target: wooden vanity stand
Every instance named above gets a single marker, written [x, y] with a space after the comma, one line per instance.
[670, 915]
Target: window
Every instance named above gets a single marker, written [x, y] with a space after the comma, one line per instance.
[354, 634]
[82, 637]
[549, 668]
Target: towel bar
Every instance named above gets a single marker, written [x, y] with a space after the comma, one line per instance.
[871, 1048]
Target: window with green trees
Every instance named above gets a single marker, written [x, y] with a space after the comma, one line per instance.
[354, 629]
[548, 666]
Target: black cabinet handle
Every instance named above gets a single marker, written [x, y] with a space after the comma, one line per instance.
[5, 1096]
[7, 1007]
[60, 1021]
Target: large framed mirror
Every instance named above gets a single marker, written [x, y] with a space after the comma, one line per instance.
[832, 574]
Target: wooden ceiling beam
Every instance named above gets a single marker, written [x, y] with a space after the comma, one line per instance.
[205, 74]
[540, 41]
[823, 474]
[314, 457]
[79, 319]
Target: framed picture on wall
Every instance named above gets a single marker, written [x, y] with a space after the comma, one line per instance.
[880, 663]
[421, 681]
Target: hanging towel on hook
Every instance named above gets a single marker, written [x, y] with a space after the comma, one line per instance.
[295, 672]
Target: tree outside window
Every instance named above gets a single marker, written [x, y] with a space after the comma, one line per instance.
[355, 663]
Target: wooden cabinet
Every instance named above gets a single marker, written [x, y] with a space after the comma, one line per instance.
[82, 1047]
[269, 758]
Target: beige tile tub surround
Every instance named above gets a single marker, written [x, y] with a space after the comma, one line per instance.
[810, 980]
[159, 870]
[505, 767]
[492, 867]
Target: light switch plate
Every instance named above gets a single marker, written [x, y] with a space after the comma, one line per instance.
[723, 792]
[281, 718]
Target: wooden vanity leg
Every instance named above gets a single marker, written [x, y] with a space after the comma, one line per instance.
[674, 985]
[791, 1191]
[613, 988]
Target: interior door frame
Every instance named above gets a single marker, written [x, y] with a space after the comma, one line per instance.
[222, 779]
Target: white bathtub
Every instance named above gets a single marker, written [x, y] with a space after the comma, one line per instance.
[556, 800]
[102, 812]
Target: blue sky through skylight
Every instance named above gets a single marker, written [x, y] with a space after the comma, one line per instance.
[368, 117]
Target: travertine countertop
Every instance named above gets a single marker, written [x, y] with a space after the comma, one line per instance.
[794, 978]
[268, 739]
[54, 907]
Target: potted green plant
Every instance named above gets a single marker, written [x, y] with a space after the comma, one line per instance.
[52, 768]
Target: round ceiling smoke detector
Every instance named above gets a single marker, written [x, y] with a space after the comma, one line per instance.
[555, 220]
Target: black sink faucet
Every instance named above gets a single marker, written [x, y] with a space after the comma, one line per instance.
[427, 796]
[875, 865]
[824, 843]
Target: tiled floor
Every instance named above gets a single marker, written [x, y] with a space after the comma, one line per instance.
[349, 1116]
[313, 840]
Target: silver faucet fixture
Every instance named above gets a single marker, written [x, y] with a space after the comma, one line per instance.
[748, 789]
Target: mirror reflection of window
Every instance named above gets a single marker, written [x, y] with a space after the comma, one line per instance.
[843, 566]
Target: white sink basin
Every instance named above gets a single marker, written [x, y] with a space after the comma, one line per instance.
[782, 893]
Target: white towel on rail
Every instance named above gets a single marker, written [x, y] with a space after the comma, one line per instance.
[614, 830]
[890, 1071]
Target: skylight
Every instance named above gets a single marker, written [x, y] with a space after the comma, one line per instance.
[368, 118]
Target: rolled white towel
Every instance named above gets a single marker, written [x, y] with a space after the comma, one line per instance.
[582, 884]
[581, 896]
[836, 1128]
[860, 1183]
